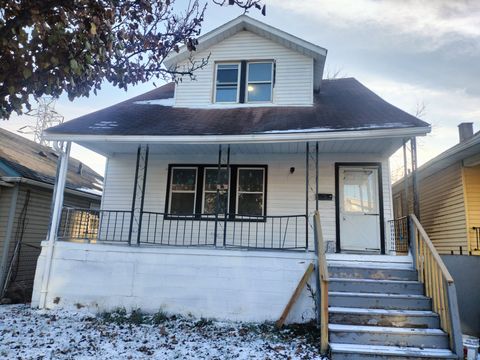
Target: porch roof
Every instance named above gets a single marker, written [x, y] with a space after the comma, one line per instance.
[342, 106]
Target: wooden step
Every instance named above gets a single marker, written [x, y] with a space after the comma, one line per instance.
[377, 273]
[383, 317]
[379, 352]
[375, 286]
[388, 336]
[379, 301]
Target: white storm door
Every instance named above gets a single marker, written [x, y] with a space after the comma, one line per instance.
[359, 208]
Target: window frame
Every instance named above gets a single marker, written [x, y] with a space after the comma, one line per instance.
[238, 192]
[170, 190]
[239, 77]
[205, 168]
[242, 81]
[232, 192]
[247, 82]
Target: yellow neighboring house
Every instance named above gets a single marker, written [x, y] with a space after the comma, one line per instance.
[449, 196]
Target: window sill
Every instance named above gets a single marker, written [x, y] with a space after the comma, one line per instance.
[211, 217]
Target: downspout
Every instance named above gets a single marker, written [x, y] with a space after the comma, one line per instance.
[8, 236]
[56, 211]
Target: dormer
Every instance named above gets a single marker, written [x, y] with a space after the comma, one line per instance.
[249, 64]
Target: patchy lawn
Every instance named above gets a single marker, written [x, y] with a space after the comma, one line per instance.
[57, 334]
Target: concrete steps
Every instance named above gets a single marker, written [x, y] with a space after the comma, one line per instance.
[380, 312]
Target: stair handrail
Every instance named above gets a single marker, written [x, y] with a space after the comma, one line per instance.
[322, 282]
[438, 282]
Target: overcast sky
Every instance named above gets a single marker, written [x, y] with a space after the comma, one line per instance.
[408, 52]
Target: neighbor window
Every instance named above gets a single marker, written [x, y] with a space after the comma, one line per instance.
[227, 80]
[259, 81]
[193, 190]
[250, 191]
[244, 82]
[183, 189]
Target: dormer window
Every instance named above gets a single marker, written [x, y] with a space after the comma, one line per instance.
[227, 80]
[244, 82]
[259, 81]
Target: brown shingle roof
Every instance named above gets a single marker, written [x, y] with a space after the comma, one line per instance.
[27, 159]
[341, 105]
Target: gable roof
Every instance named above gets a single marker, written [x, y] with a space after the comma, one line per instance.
[342, 105]
[23, 158]
[244, 22]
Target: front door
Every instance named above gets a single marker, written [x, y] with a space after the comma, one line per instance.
[359, 208]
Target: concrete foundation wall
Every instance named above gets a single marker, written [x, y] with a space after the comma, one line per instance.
[213, 283]
[466, 274]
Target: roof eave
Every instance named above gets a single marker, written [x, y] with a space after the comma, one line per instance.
[246, 138]
[24, 180]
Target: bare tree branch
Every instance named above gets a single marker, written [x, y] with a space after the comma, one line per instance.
[50, 47]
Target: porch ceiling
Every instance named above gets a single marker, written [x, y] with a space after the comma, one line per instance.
[384, 146]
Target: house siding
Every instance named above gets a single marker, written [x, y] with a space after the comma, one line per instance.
[285, 191]
[293, 80]
[6, 194]
[471, 179]
[442, 209]
[32, 217]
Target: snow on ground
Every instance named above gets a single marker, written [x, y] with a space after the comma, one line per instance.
[26, 333]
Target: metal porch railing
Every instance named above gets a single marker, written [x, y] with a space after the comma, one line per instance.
[273, 232]
[92, 225]
[399, 235]
[477, 237]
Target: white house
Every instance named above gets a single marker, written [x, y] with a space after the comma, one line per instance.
[210, 189]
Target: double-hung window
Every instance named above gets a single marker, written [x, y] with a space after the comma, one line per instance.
[193, 190]
[244, 82]
[183, 190]
[227, 83]
[211, 184]
[259, 81]
[250, 191]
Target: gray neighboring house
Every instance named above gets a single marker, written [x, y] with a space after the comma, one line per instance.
[27, 175]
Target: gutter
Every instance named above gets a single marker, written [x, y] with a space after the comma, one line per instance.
[10, 180]
[245, 139]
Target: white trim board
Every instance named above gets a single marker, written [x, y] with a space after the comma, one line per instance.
[294, 136]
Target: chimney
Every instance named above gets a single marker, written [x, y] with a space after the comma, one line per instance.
[465, 131]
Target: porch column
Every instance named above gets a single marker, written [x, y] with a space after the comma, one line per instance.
[217, 197]
[139, 185]
[316, 176]
[55, 215]
[228, 199]
[413, 150]
[307, 165]
[405, 177]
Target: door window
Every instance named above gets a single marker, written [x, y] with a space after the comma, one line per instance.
[360, 191]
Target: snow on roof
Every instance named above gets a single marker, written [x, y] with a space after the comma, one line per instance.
[341, 105]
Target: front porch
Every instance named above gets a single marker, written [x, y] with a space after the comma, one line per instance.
[246, 196]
